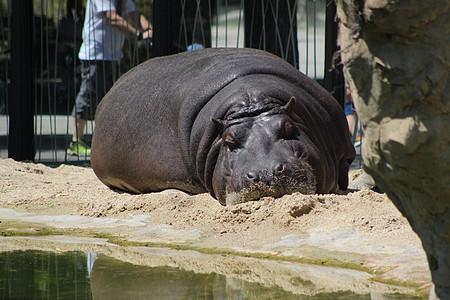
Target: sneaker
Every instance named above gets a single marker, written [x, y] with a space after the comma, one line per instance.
[357, 141]
[78, 148]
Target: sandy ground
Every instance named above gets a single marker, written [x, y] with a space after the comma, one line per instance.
[364, 225]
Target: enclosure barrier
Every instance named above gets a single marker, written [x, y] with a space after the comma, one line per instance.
[40, 69]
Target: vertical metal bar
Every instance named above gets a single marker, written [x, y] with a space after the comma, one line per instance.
[226, 24]
[334, 77]
[315, 41]
[39, 97]
[307, 39]
[241, 9]
[162, 28]
[21, 136]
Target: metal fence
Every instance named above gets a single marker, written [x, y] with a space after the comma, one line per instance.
[293, 29]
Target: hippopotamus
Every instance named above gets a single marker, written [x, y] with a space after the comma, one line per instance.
[240, 124]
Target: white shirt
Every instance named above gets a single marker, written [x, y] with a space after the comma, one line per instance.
[101, 41]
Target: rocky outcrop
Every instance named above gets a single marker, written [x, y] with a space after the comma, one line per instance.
[396, 56]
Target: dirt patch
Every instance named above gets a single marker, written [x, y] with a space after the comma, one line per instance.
[76, 190]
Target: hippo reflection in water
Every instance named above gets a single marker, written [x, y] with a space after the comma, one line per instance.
[237, 123]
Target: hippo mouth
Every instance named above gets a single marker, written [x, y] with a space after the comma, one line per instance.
[302, 181]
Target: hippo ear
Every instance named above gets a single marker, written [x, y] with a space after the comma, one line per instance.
[289, 107]
[220, 124]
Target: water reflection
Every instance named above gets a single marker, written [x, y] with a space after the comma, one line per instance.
[111, 277]
[77, 275]
[44, 275]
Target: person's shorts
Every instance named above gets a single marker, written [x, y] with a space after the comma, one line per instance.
[97, 77]
[349, 108]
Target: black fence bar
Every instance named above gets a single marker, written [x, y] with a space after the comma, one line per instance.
[21, 135]
[162, 28]
[334, 76]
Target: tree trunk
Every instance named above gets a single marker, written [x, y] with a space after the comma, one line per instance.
[397, 61]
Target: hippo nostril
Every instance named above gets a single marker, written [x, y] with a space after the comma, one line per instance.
[279, 169]
[252, 176]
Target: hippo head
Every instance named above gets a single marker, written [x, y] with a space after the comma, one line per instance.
[263, 152]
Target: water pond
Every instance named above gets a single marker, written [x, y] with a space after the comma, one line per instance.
[35, 274]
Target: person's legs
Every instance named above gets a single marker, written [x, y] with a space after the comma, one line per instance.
[351, 120]
[351, 116]
[78, 133]
[97, 78]
[78, 146]
[81, 111]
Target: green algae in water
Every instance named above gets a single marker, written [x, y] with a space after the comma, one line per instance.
[76, 275]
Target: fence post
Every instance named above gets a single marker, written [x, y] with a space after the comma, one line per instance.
[279, 31]
[334, 76]
[21, 110]
[162, 28]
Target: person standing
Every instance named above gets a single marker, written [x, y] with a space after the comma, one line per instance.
[107, 23]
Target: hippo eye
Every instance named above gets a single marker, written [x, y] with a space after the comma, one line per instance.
[286, 129]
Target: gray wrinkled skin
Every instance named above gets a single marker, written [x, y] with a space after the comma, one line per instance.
[240, 124]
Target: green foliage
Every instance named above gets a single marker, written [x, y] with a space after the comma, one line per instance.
[52, 9]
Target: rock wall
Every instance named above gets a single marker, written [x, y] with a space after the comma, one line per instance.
[396, 56]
